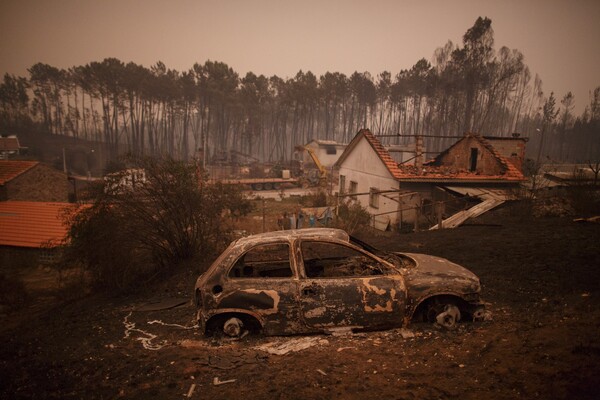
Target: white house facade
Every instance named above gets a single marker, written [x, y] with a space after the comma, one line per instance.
[363, 172]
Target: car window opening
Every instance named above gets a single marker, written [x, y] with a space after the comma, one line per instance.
[263, 261]
[330, 260]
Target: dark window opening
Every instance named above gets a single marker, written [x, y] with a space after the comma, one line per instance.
[374, 197]
[474, 152]
[353, 189]
[330, 149]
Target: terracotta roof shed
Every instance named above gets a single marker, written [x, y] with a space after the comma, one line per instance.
[32, 224]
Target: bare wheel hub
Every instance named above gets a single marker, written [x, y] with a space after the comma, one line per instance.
[449, 317]
[233, 327]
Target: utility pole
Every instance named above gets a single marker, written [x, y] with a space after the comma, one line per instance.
[539, 154]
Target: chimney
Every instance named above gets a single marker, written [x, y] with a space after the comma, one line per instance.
[419, 153]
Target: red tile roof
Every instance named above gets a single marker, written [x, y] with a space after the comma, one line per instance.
[388, 161]
[381, 152]
[32, 224]
[9, 170]
[441, 173]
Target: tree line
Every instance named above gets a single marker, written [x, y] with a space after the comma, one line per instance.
[159, 111]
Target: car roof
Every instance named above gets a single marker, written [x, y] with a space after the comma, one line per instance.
[308, 233]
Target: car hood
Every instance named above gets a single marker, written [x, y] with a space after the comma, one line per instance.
[438, 274]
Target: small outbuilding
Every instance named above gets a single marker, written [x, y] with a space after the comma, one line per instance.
[30, 231]
[32, 180]
[10, 147]
[327, 151]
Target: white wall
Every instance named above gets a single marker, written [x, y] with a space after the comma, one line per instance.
[327, 160]
[364, 166]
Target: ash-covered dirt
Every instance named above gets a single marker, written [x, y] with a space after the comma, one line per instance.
[540, 276]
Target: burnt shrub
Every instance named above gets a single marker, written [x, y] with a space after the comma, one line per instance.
[585, 199]
[316, 199]
[352, 217]
[148, 219]
[13, 294]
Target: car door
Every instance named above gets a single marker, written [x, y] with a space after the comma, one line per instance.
[261, 280]
[344, 286]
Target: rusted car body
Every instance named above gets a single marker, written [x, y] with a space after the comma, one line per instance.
[319, 279]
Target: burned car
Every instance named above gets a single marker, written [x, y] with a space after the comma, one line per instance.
[321, 279]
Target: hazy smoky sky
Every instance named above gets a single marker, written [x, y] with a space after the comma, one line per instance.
[559, 38]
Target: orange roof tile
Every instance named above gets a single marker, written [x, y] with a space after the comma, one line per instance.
[440, 173]
[31, 224]
[389, 162]
[9, 170]
[381, 152]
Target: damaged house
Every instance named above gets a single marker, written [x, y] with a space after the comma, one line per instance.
[484, 169]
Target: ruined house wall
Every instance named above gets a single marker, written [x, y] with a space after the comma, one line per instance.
[512, 150]
[40, 183]
[459, 158]
[412, 205]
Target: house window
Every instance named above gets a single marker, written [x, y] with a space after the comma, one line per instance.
[353, 189]
[330, 149]
[474, 153]
[342, 184]
[374, 197]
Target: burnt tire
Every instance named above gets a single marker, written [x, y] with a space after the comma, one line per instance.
[444, 313]
[449, 317]
[232, 325]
